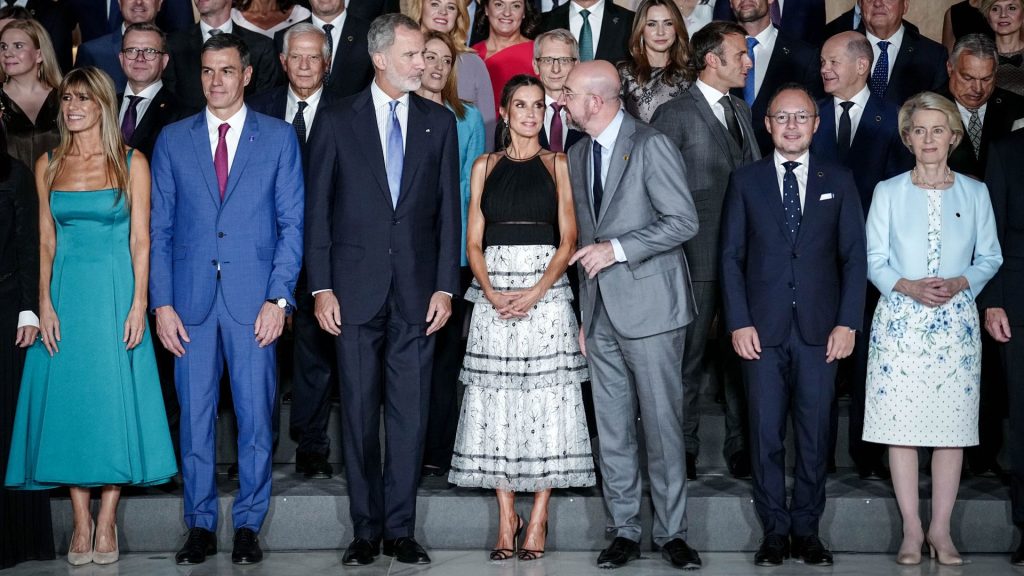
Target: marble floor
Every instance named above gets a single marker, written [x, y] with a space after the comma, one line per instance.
[473, 563]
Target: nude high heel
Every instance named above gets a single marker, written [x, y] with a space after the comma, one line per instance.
[944, 557]
[81, 558]
[107, 557]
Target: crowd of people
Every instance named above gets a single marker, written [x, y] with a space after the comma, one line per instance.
[500, 229]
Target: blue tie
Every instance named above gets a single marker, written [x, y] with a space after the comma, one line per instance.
[395, 154]
[791, 198]
[748, 88]
[598, 187]
[880, 75]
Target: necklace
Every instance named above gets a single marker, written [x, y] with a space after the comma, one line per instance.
[947, 178]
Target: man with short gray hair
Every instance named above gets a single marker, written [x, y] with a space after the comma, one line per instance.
[554, 54]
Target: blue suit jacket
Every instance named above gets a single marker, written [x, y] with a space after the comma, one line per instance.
[254, 235]
[102, 53]
[803, 19]
[877, 151]
[763, 270]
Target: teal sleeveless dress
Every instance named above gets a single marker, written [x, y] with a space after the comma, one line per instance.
[92, 414]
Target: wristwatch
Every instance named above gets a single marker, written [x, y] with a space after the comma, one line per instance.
[281, 303]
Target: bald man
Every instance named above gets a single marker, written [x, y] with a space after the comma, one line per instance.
[634, 212]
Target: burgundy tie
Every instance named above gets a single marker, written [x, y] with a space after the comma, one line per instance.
[220, 159]
[555, 138]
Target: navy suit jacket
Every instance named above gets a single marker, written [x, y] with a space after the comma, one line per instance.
[844, 23]
[877, 151]
[351, 70]
[616, 25]
[102, 52]
[920, 65]
[763, 269]
[1004, 108]
[358, 244]
[1004, 176]
[803, 19]
[91, 16]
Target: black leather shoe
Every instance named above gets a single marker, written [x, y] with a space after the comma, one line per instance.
[691, 466]
[873, 470]
[773, 551]
[810, 551]
[361, 552]
[985, 469]
[233, 472]
[313, 465]
[406, 550]
[1017, 559]
[680, 555]
[739, 465]
[246, 549]
[199, 544]
[622, 550]
[431, 471]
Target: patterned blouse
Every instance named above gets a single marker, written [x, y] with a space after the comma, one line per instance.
[1010, 74]
[641, 100]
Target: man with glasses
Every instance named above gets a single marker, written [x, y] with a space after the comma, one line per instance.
[794, 264]
[103, 52]
[554, 55]
[146, 104]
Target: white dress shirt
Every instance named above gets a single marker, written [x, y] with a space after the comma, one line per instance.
[237, 122]
[312, 103]
[800, 172]
[225, 28]
[382, 108]
[549, 113]
[595, 18]
[338, 24]
[147, 94]
[860, 100]
[713, 96]
[965, 115]
[607, 140]
[701, 16]
[895, 41]
[763, 54]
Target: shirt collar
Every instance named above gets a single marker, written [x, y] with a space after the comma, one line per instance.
[597, 7]
[148, 93]
[313, 100]
[338, 22]
[965, 111]
[610, 134]
[780, 159]
[380, 99]
[896, 39]
[712, 95]
[237, 121]
[767, 36]
[859, 99]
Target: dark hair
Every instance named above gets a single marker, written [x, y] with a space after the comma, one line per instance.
[514, 83]
[243, 5]
[15, 13]
[226, 40]
[528, 27]
[709, 40]
[146, 27]
[450, 91]
[678, 67]
[793, 86]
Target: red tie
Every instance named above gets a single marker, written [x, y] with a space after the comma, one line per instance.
[220, 159]
[555, 138]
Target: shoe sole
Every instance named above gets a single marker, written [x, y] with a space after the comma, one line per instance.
[245, 561]
[318, 476]
[352, 563]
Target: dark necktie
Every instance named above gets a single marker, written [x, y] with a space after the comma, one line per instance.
[598, 187]
[880, 75]
[555, 138]
[330, 50]
[845, 132]
[1015, 60]
[299, 122]
[586, 37]
[776, 14]
[220, 159]
[730, 120]
[131, 118]
[791, 198]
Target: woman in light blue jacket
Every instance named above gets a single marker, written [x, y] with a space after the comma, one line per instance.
[932, 247]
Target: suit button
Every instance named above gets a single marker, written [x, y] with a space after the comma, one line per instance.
[214, 262]
[220, 234]
[395, 222]
[796, 255]
[391, 251]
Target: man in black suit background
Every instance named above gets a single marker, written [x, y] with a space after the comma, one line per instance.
[104, 52]
[185, 47]
[905, 61]
[382, 250]
[305, 58]
[601, 27]
[349, 70]
[98, 17]
[777, 58]
[801, 19]
[59, 22]
[852, 19]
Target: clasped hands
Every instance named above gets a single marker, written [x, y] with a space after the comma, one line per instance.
[932, 291]
[514, 303]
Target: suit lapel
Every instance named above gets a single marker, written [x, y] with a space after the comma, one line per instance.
[583, 154]
[718, 131]
[825, 138]
[776, 64]
[773, 197]
[248, 141]
[364, 130]
[812, 200]
[204, 156]
[417, 139]
[623, 146]
[610, 25]
[345, 42]
[151, 119]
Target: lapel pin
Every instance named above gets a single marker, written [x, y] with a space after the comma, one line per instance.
[428, 130]
[785, 50]
[625, 158]
[878, 118]
[615, 20]
[910, 49]
[821, 174]
[350, 38]
[252, 138]
[957, 214]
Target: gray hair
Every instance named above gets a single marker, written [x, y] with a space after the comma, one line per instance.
[306, 28]
[557, 35]
[860, 47]
[382, 31]
[977, 45]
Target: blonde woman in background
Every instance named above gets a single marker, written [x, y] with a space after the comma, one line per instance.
[29, 97]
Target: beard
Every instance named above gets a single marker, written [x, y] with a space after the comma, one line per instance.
[403, 83]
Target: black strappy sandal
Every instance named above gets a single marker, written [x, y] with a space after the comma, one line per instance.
[527, 555]
[498, 554]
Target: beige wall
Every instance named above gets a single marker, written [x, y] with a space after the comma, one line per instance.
[926, 14]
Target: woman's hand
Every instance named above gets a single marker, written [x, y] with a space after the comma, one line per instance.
[49, 326]
[524, 300]
[134, 326]
[502, 302]
[931, 292]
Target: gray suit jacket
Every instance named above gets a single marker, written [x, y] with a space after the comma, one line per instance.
[708, 151]
[648, 208]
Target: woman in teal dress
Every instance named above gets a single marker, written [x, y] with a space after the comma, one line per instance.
[90, 413]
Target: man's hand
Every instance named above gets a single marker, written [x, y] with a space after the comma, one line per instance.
[997, 324]
[169, 329]
[327, 312]
[438, 312]
[595, 257]
[746, 343]
[26, 335]
[269, 324]
[840, 344]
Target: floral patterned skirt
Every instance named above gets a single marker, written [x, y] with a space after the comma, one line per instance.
[522, 426]
[924, 369]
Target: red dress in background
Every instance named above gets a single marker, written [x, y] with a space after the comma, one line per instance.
[517, 59]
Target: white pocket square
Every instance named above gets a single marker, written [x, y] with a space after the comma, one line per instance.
[828, 196]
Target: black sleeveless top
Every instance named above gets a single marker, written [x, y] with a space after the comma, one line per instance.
[520, 204]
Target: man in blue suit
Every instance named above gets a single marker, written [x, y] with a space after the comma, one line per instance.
[383, 227]
[226, 252]
[103, 52]
[794, 264]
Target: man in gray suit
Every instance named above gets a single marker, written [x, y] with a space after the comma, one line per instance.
[712, 129]
[634, 212]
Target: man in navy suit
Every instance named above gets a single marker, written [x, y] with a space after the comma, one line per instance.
[794, 264]
[103, 52]
[383, 225]
[226, 251]
[146, 104]
[555, 53]
[858, 130]
[905, 62]
[606, 24]
[98, 17]
[802, 19]
[852, 19]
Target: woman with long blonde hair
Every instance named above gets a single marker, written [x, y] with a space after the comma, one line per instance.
[29, 97]
[90, 413]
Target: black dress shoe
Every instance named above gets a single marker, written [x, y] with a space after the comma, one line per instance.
[872, 471]
[680, 555]
[233, 472]
[361, 552]
[810, 551]
[691, 466]
[406, 550]
[985, 469]
[773, 551]
[313, 465]
[622, 550]
[1017, 559]
[246, 549]
[739, 465]
[199, 544]
[430, 471]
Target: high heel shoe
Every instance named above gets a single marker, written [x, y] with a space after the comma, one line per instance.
[508, 553]
[107, 557]
[80, 558]
[526, 555]
[909, 555]
[945, 557]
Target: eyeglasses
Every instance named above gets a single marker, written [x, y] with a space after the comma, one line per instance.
[550, 60]
[149, 54]
[801, 117]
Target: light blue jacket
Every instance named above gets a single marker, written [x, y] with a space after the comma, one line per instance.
[471, 146]
[897, 234]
